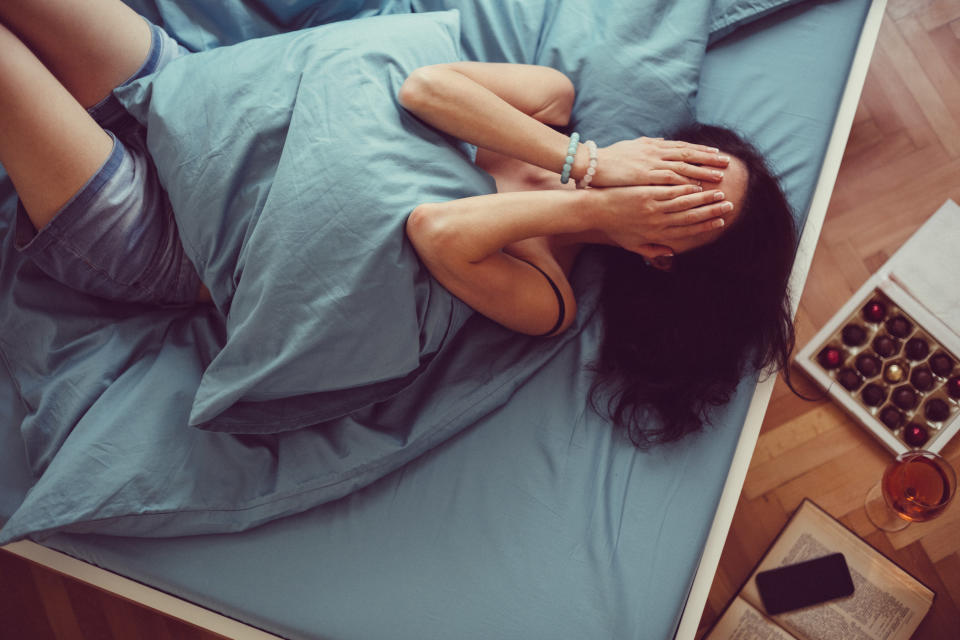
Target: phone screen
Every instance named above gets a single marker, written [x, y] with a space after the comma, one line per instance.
[804, 584]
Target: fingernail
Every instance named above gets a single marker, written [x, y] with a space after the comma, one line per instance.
[727, 206]
[663, 262]
[718, 195]
[718, 174]
[697, 188]
[714, 150]
[719, 223]
[723, 158]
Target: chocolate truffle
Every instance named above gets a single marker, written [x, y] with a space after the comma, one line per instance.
[885, 346]
[916, 348]
[854, 335]
[830, 358]
[915, 435]
[891, 417]
[936, 410]
[873, 395]
[850, 379]
[868, 365]
[953, 387]
[905, 397]
[922, 379]
[941, 364]
[874, 311]
[899, 326]
[894, 373]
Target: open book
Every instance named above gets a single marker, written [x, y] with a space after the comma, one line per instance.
[887, 602]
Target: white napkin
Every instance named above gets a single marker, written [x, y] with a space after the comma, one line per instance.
[927, 266]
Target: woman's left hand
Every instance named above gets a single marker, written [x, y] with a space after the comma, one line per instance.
[655, 161]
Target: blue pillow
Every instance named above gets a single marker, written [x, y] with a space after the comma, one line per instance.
[292, 169]
[635, 64]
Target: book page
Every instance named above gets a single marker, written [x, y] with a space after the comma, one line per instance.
[743, 622]
[887, 602]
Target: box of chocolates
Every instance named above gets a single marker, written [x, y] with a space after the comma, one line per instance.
[892, 365]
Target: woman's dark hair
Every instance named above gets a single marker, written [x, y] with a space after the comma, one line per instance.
[678, 342]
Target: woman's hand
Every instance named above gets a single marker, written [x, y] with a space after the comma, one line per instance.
[636, 217]
[654, 161]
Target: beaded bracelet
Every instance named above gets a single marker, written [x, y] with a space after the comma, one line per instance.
[592, 169]
[571, 154]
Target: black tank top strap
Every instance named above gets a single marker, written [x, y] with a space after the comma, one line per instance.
[556, 290]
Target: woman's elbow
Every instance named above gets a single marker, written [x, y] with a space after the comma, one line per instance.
[416, 90]
[417, 222]
[562, 95]
[425, 230]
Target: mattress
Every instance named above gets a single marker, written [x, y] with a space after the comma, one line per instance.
[536, 521]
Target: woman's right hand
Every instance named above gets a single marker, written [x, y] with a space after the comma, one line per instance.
[633, 217]
[655, 161]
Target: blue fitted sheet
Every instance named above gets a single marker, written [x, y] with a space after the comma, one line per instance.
[536, 522]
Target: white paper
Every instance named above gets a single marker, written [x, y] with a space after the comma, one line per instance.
[927, 266]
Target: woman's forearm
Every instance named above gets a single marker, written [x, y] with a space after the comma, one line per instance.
[471, 229]
[498, 107]
[503, 108]
[472, 245]
[468, 246]
[545, 94]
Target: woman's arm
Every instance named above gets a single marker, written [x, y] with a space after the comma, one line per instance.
[467, 244]
[543, 93]
[493, 106]
[460, 243]
[504, 108]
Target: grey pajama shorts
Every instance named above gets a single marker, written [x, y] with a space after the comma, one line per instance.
[116, 238]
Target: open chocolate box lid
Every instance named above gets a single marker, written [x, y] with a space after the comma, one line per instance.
[891, 355]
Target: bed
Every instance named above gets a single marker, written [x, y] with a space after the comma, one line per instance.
[466, 494]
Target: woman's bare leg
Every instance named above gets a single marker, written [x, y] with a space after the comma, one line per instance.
[62, 57]
[49, 145]
[91, 46]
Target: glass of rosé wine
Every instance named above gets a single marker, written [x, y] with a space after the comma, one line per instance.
[917, 486]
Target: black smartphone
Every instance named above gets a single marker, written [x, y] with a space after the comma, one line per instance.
[805, 583]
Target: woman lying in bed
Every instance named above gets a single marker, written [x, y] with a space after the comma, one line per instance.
[677, 335]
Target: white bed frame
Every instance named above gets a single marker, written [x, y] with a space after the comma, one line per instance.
[186, 611]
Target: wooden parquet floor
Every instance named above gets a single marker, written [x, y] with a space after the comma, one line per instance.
[901, 163]
[45, 605]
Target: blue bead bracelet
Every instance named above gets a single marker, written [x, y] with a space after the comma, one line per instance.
[571, 154]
